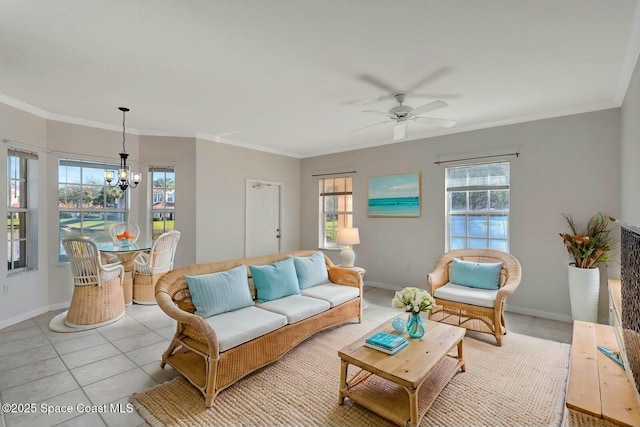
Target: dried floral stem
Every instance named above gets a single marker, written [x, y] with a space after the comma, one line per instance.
[592, 246]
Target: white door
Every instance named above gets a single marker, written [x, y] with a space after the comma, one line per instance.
[262, 218]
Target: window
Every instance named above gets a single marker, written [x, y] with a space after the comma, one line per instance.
[478, 206]
[163, 205]
[86, 204]
[19, 241]
[336, 207]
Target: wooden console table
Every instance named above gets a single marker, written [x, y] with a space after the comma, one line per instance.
[599, 392]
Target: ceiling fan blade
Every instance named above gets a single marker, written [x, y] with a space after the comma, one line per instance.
[377, 83]
[370, 126]
[378, 112]
[428, 107]
[432, 121]
[435, 95]
[433, 76]
[400, 131]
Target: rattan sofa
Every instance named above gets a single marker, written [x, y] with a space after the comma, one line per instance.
[194, 350]
[473, 316]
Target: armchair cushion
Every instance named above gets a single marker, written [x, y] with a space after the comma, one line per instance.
[275, 280]
[219, 292]
[466, 295]
[311, 270]
[481, 275]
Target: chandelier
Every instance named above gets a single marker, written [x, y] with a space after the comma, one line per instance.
[126, 178]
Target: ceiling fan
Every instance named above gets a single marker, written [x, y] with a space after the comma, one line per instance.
[401, 114]
[390, 90]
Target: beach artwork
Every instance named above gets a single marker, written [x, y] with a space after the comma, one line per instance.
[395, 196]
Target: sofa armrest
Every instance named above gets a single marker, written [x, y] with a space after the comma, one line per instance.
[185, 318]
[345, 276]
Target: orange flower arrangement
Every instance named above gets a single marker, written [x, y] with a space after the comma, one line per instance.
[592, 246]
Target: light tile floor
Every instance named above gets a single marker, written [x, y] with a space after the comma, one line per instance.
[100, 368]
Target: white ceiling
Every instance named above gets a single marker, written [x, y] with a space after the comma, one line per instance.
[285, 75]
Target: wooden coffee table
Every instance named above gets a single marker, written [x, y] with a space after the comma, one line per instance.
[402, 387]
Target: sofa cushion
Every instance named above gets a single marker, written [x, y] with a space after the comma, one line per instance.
[239, 326]
[311, 270]
[296, 307]
[466, 294]
[482, 275]
[275, 280]
[333, 294]
[219, 292]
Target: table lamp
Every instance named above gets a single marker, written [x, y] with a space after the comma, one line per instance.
[348, 237]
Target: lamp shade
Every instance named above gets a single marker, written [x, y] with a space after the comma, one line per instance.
[348, 236]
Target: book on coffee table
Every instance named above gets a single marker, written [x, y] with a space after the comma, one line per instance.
[387, 350]
[386, 340]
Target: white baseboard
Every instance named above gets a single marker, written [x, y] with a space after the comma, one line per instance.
[538, 313]
[382, 285]
[33, 313]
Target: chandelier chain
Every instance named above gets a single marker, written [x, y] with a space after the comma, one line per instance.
[124, 150]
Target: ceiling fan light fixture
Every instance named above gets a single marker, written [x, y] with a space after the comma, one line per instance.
[400, 131]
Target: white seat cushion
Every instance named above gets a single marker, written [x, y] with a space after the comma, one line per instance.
[296, 307]
[467, 295]
[239, 326]
[333, 294]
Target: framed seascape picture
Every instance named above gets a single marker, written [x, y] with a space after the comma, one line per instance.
[395, 196]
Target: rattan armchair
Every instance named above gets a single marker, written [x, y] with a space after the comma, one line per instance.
[487, 319]
[148, 268]
[98, 298]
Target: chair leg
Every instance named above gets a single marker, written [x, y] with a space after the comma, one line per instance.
[497, 325]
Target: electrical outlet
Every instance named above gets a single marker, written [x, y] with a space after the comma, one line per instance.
[6, 289]
[379, 263]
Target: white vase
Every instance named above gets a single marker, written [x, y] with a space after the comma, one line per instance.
[584, 292]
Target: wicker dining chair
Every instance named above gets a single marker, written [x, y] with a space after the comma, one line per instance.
[148, 268]
[479, 310]
[121, 227]
[98, 298]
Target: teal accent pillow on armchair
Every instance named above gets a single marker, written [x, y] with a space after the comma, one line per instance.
[275, 280]
[481, 275]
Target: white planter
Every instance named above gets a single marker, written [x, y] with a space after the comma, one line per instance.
[584, 291]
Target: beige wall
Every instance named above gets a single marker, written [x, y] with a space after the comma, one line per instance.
[24, 295]
[630, 148]
[181, 154]
[568, 164]
[222, 172]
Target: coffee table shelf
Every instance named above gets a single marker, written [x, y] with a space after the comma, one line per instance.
[402, 387]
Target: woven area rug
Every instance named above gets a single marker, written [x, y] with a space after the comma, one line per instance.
[522, 383]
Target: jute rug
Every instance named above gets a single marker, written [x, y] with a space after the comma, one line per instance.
[522, 383]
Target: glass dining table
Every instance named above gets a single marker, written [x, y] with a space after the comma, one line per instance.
[125, 254]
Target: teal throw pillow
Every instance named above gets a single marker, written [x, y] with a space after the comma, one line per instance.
[220, 292]
[311, 270]
[481, 275]
[275, 280]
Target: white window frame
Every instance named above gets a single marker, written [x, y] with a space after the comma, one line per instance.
[324, 239]
[468, 187]
[20, 188]
[119, 212]
[164, 212]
